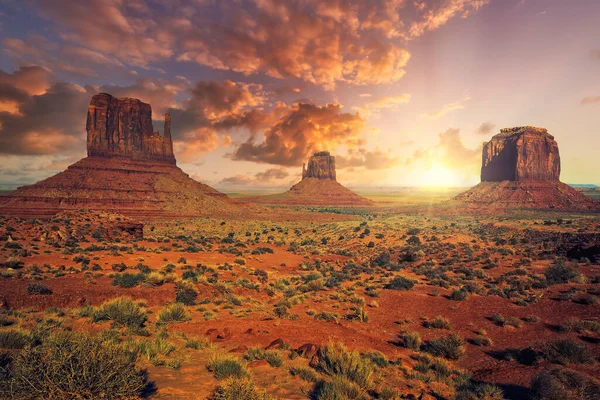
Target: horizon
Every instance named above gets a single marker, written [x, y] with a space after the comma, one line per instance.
[403, 97]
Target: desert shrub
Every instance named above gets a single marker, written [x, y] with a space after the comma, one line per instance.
[438, 322]
[185, 293]
[226, 366]
[377, 358]
[306, 374]
[38, 288]
[127, 280]
[400, 283]
[582, 326]
[154, 279]
[14, 339]
[122, 311]
[75, 366]
[482, 340]
[567, 351]
[564, 384]
[459, 295]
[479, 391]
[338, 388]
[451, 347]
[4, 321]
[411, 340]
[239, 389]
[560, 272]
[257, 353]
[335, 360]
[172, 313]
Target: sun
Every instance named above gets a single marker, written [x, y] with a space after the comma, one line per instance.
[439, 176]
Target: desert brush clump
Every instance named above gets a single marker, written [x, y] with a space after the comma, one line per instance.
[172, 313]
[73, 366]
[336, 360]
[225, 366]
[239, 389]
[122, 311]
[451, 347]
[558, 383]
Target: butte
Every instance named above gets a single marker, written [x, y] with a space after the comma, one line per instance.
[130, 169]
[521, 170]
[318, 187]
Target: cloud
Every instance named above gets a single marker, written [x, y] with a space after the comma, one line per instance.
[325, 43]
[301, 130]
[383, 103]
[486, 128]
[31, 79]
[590, 100]
[269, 176]
[48, 123]
[447, 108]
[371, 160]
[595, 54]
[436, 17]
[449, 152]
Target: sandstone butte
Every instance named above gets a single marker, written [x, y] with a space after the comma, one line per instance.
[318, 187]
[130, 169]
[521, 169]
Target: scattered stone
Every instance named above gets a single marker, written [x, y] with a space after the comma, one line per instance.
[275, 344]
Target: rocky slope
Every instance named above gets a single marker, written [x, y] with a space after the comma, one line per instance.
[130, 170]
[318, 187]
[521, 169]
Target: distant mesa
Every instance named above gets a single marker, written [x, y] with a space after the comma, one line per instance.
[521, 169]
[318, 187]
[130, 169]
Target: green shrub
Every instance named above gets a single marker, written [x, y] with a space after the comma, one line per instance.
[480, 391]
[459, 295]
[559, 272]
[172, 313]
[122, 311]
[239, 389]
[564, 384]
[451, 347]
[226, 366]
[38, 288]
[335, 360]
[304, 373]
[339, 388]
[127, 280]
[567, 351]
[75, 366]
[411, 340]
[400, 283]
[185, 293]
[14, 339]
[438, 322]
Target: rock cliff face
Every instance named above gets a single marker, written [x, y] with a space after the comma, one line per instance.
[129, 169]
[321, 166]
[521, 154]
[521, 169]
[123, 127]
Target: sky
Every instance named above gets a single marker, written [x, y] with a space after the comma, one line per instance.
[402, 92]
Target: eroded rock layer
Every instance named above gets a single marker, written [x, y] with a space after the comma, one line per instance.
[123, 127]
[130, 187]
[521, 169]
[521, 154]
[320, 166]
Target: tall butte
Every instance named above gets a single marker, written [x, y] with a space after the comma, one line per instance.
[318, 187]
[130, 169]
[521, 169]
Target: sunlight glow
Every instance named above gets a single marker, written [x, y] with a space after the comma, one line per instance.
[439, 176]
